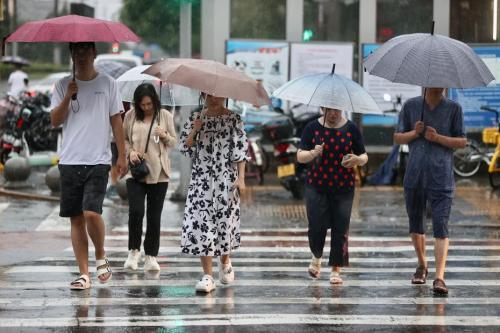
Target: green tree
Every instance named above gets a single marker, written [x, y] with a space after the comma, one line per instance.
[157, 21]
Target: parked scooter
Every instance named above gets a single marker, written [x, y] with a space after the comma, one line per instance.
[27, 127]
[285, 133]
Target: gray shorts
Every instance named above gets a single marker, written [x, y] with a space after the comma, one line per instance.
[440, 204]
[83, 188]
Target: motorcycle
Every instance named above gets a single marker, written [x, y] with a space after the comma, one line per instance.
[27, 127]
[285, 133]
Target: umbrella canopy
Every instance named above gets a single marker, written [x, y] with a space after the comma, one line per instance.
[16, 60]
[428, 60]
[170, 94]
[72, 28]
[328, 90]
[112, 68]
[212, 78]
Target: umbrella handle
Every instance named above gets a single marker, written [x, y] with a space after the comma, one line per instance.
[74, 95]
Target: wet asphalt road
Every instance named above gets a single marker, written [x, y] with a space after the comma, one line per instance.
[272, 291]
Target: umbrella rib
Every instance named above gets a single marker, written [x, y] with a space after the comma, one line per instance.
[445, 47]
[388, 51]
[112, 33]
[348, 94]
[317, 86]
[400, 65]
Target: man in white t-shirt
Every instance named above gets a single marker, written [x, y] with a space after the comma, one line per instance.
[87, 107]
[18, 81]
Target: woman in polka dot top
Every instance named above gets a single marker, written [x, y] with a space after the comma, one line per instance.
[331, 146]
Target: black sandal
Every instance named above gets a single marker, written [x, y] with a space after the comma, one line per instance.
[420, 275]
[439, 287]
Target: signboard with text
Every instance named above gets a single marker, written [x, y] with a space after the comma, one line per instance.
[472, 99]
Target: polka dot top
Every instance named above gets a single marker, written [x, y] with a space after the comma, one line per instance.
[325, 173]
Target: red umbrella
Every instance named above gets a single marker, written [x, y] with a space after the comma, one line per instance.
[72, 28]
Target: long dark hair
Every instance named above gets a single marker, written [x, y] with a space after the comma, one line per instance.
[145, 90]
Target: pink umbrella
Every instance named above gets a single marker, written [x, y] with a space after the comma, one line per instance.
[211, 77]
[72, 28]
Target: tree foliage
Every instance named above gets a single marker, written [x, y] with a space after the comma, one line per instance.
[157, 21]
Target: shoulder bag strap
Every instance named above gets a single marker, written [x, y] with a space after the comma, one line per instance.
[149, 133]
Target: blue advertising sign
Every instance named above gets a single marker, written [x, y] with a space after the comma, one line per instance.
[472, 99]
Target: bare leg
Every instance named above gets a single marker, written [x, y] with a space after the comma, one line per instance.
[336, 269]
[440, 253]
[96, 230]
[80, 243]
[224, 259]
[206, 262]
[419, 245]
[114, 175]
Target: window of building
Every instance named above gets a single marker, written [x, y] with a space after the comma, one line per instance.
[259, 19]
[473, 21]
[331, 20]
[397, 17]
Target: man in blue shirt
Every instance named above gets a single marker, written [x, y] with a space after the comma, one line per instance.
[432, 129]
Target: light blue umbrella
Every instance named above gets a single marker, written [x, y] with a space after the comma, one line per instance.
[328, 90]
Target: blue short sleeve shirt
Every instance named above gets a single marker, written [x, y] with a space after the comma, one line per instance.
[430, 165]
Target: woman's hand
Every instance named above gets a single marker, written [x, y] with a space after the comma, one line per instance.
[318, 150]
[197, 124]
[160, 132]
[350, 161]
[240, 184]
[135, 157]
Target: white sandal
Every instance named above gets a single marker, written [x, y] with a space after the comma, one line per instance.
[335, 278]
[81, 283]
[314, 269]
[103, 268]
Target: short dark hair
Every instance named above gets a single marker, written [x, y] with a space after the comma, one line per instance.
[86, 45]
[145, 90]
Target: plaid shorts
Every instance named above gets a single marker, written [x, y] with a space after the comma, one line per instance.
[83, 188]
[440, 203]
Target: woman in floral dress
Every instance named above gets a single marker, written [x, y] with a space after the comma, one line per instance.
[216, 142]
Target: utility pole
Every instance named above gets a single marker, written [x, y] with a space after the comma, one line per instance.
[57, 46]
[13, 22]
[184, 52]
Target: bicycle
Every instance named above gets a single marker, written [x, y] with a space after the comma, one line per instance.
[467, 161]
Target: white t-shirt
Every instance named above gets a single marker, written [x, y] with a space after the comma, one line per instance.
[86, 139]
[16, 82]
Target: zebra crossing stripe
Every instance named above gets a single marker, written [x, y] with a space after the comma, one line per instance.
[196, 269]
[280, 249]
[246, 238]
[53, 222]
[237, 260]
[15, 303]
[3, 206]
[252, 319]
[243, 283]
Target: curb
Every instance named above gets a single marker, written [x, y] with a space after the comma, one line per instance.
[40, 197]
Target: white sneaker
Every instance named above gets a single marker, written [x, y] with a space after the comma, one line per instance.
[132, 261]
[206, 284]
[150, 264]
[226, 273]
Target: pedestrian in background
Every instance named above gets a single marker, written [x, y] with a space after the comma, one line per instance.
[88, 107]
[216, 141]
[149, 135]
[432, 129]
[332, 146]
[18, 81]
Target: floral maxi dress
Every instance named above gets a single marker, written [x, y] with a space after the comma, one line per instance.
[211, 225]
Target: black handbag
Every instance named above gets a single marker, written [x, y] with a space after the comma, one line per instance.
[140, 170]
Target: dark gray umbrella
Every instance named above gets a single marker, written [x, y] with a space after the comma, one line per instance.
[15, 60]
[429, 60]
